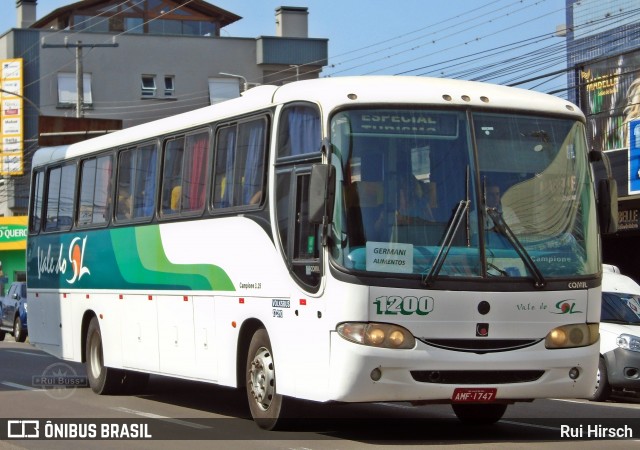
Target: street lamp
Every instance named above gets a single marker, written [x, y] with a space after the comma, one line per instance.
[297, 67]
[244, 80]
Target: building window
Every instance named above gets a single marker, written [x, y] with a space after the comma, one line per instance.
[221, 89]
[134, 25]
[68, 92]
[165, 27]
[148, 85]
[90, 24]
[169, 86]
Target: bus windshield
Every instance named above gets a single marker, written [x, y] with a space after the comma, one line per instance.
[479, 194]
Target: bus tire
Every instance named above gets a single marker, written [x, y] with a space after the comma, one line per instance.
[602, 389]
[135, 382]
[2, 334]
[479, 413]
[103, 380]
[267, 406]
[18, 332]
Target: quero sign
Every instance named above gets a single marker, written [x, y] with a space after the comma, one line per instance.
[13, 233]
[10, 233]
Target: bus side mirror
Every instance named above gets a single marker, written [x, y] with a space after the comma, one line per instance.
[608, 205]
[321, 193]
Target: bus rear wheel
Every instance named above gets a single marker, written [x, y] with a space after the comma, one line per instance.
[103, 380]
[479, 414]
[266, 405]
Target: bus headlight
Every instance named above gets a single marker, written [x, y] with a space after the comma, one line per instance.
[380, 335]
[574, 335]
[629, 342]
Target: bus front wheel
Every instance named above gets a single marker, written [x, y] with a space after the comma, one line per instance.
[479, 414]
[103, 380]
[266, 405]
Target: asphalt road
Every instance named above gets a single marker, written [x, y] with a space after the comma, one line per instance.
[173, 413]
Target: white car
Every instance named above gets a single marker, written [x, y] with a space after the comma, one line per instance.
[619, 367]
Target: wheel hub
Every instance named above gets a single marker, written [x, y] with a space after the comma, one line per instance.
[262, 378]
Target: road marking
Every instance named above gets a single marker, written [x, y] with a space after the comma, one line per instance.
[396, 405]
[159, 417]
[22, 352]
[21, 386]
[530, 425]
[569, 401]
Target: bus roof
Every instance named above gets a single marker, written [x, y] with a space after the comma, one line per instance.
[330, 93]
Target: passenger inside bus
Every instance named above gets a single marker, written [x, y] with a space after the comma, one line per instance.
[493, 200]
[123, 207]
[413, 202]
[176, 198]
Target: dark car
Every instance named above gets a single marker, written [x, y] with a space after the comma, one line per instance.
[13, 312]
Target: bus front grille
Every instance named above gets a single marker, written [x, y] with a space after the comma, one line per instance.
[462, 377]
[480, 345]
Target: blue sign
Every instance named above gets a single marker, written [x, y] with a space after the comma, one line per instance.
[634, 156]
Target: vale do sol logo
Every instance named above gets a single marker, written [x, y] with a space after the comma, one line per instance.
[58, 264]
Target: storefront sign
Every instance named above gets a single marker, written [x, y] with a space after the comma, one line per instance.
[11, 117]
[628, 220]
[13, 233]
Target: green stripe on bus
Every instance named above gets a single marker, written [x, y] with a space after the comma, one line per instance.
[141, 259]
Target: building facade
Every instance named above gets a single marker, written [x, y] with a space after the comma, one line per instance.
[129, 62]
[603, 55]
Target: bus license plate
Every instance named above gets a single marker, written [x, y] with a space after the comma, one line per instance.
[481, 395]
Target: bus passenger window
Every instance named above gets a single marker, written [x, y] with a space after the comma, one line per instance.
[123, 194]
[35, 218]
[145, 183]
[51, 218]
[136, 182]
[299, 131]
[95, 190]
[224, 173]
[60, 198]
[251, 152]
[191, 196]
[172, 176]
[240, 164]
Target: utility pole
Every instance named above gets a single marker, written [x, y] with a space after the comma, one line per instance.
[79, 70]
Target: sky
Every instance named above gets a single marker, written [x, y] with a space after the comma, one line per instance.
[499, 41]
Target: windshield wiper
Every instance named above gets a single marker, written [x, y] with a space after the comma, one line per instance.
[449, 234]
[503, 228]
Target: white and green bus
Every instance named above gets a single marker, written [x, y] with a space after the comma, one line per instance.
[332, 240]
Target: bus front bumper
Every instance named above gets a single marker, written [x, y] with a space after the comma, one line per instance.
[359, 373]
